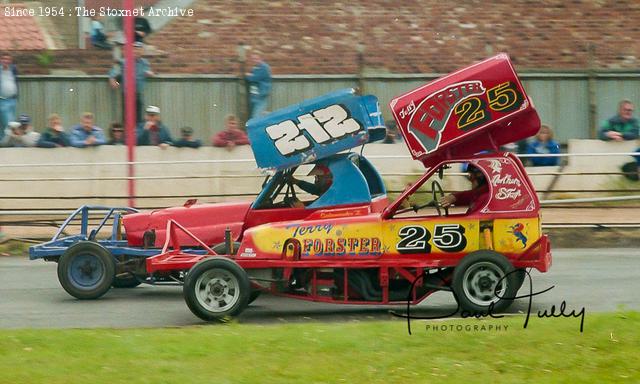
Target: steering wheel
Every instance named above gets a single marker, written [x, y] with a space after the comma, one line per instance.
[290, 194]
[436, 189]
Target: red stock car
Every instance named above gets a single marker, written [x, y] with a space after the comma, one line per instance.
[405, 250]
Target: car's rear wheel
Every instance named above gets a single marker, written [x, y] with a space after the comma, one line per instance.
[216, 288]
[86, 270]
[483, 279]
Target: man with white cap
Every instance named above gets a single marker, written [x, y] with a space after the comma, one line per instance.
[153, 131]
[20, 133]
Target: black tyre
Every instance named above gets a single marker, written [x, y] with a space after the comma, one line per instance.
[520, 276]
[86, 270]
[255, 293]
[125, 282]
[478, 277]
[216, 288]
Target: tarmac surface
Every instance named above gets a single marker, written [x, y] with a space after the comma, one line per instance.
[599, 280]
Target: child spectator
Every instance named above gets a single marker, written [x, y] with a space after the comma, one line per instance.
[54, 135]
[153, 131]
[543, 143]
[20, 134]
[116, 134]
[622, 126]
[231, 136]
[187, 139]
[86, 134]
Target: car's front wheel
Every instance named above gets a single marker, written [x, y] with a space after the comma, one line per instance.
[216, 288]
[483, 279]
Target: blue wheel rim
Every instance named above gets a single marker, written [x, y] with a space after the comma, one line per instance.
[86, 271]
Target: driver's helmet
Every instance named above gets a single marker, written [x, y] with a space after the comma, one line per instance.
[476, 173]
[323, 175]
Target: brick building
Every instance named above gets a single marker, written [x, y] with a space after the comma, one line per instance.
[325, 37]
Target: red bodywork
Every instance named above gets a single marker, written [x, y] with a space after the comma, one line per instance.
[477, 108]
[208, 222]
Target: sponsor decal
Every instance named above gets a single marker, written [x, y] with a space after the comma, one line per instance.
[301, 230]
[248, 252]
[516, 230]
[342, 246]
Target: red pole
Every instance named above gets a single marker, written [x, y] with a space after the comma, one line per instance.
[130, 98]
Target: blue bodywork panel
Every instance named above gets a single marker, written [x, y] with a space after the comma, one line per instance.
[355, 180]
[314, 129]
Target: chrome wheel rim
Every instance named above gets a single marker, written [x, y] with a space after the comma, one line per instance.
[217, 290]
[483, 283]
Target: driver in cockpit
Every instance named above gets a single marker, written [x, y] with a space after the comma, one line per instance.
[322, 182]
[475, 198]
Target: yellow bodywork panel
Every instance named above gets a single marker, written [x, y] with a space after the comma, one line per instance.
[515, 235]
[326, 239]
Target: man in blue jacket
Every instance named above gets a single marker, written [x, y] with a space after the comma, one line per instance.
[259, 81]
[153, 131]
[86, 134]
[142, 71]
[8, 92]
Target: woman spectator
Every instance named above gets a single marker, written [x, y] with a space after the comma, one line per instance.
[543, 143]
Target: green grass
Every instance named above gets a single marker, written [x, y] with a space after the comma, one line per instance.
[14, 248]
[549, 350]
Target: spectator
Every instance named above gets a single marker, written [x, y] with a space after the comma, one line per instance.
[152, 131]
[143, 70]
[98, 37]
[543, 143]
[391, 132]
[187, 139]
[86, 134]
[259, 82]
[622, 126]
[20, 134]
[142, 28]
[54, 135]
[8, 92]
[231, 136]
[116, 134]
[115, 35]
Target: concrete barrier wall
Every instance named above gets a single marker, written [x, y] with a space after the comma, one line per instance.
[68, 177]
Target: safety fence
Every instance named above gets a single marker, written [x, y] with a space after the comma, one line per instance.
[613, 194]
